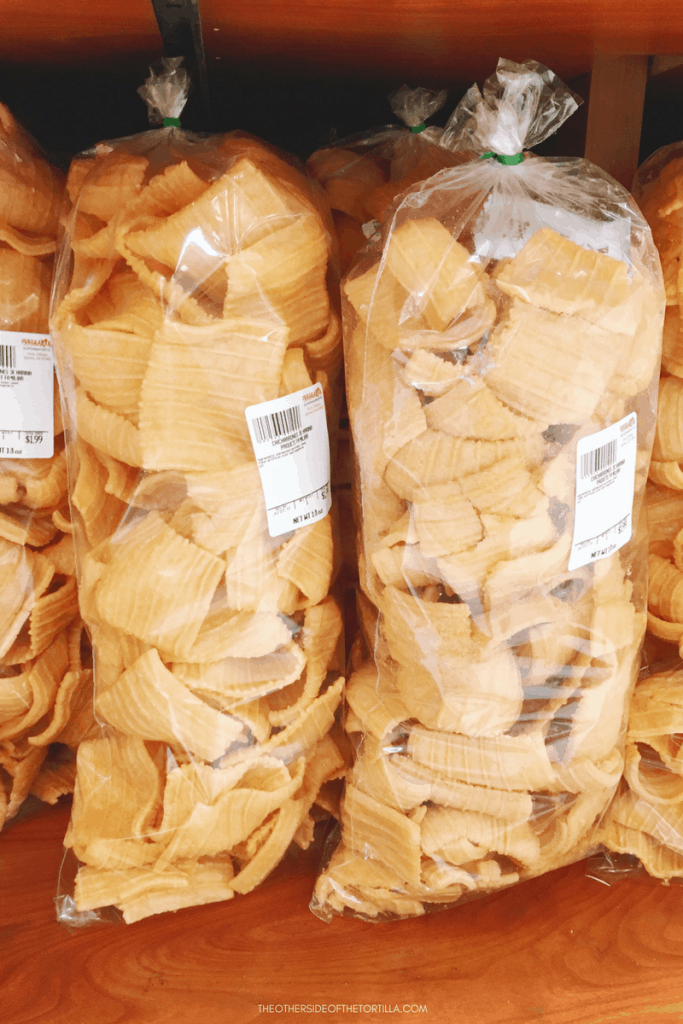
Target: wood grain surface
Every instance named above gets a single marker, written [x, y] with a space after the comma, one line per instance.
[439, 39]
[563, 949]
[433, 39]
[80, 31]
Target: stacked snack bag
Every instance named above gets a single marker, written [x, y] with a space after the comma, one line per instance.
[502, 351]
[659, 190]
[45, 691]
[199, 350]
[362, 175]
[645, 819]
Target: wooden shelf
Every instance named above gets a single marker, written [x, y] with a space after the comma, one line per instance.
[563, 949]
[439, 39]
[431, 39]
[77, 31]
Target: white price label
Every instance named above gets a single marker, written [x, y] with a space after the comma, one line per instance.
[292, 450]
[605, 483]
[26, 393]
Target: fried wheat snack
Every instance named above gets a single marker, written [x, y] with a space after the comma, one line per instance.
[645, 819]
[363, 175]
[658, 187]
[44, 685]
[487, 342]
[195, 284]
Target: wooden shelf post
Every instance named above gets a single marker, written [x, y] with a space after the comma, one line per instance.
[615, 114]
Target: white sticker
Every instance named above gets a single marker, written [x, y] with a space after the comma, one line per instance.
[26, 383]
[605, 482]
[292, 450]
[371, 228]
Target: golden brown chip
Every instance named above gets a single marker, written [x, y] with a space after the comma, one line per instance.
[31, 189]
[665, 598]
[233, 681]
[445, 520]
[108, 432]
[464, 332]
[470, 409]
[436, 458]
[65, 699]
[309, 727]
[271, 852]
[141, 892]
[61, 555]
[22, 763]
[668, 445]
[556, 381]
[198, 383]
[556, 274]
[306, 560]
[150, 702]
[428, 262]
[40, 684]
[176, 582]
[372, 828]
[378, 710]
[450, 834]
[286, 271]
[24, 577]
[110, 360]
[51, 613]
[515, 762]
[347, 177]
[226, 633]
[221, 817]
[101, 512]
[25, 284]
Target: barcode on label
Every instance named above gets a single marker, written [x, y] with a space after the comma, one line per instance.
[277, 424]
[8, 357]
[598, 459]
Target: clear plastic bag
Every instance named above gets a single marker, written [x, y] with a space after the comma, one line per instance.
[645, 819]
[44, 690]
[658, 187]
[502, 346]
[193, 287]
[665, 594]
[643, 830]
[363, 174]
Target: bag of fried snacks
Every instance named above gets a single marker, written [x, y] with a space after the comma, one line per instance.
[502, 348]
[658, 187]
[363, 174]
[665, 558]
[645, 819]
[44, 689]
[199, 351]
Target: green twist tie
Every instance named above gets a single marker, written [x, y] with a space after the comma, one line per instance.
[171, 122]
[502, 159]
[418, 128]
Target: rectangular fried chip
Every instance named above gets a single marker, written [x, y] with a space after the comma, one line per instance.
[150, 702]
[175, 583]
[197, 385]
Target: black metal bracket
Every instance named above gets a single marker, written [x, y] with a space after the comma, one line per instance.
[181, 33]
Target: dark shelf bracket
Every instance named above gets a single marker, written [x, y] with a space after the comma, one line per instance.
[181, 33]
